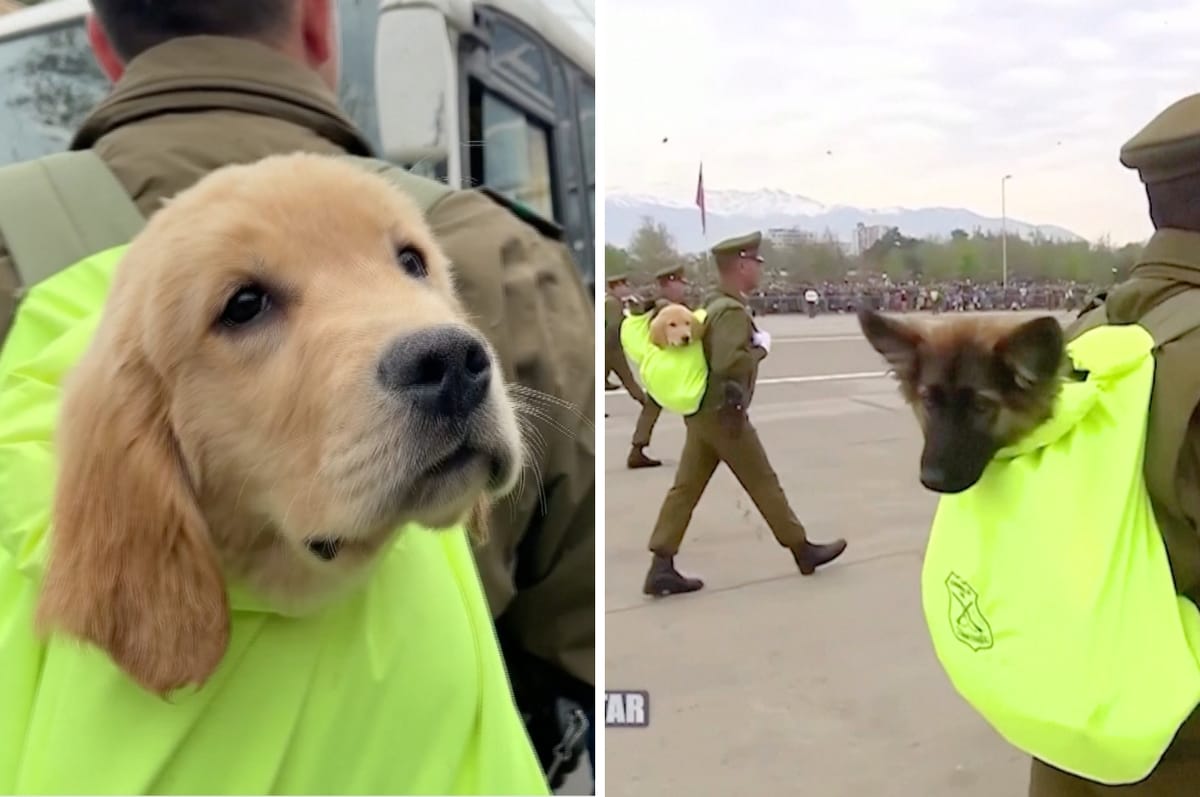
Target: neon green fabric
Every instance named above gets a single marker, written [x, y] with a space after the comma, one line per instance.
[675, 377]
[1046, 586]
[397, 689]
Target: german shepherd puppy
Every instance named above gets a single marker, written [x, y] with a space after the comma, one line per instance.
[975, 384]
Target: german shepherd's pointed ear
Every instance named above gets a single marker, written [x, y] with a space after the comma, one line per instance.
[896, 340]
[1034, 351]
[131, 568]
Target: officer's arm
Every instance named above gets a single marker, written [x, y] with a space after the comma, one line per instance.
[731, 357]
[619, 364]
[612, 320]
[612, 311]
[9, 284]
[525, 291]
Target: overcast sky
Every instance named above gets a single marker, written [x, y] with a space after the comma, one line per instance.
[580, 13]
[916, 103]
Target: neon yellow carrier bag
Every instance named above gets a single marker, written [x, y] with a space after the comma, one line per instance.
[675, 377]
[399, 688]
[1046, 586]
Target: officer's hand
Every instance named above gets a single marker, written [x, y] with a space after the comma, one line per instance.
[762, 339]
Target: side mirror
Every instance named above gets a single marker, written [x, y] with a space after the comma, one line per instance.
[416, 90]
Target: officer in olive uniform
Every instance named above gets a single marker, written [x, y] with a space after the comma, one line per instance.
[261, 81]
[672, 286]
[1166, 154]
[615, 302]
[615, 294]
[720, 431]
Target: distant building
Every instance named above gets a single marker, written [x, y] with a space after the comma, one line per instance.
[867, 236]
[789, 236]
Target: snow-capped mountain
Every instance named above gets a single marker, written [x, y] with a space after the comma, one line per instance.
[736, 212]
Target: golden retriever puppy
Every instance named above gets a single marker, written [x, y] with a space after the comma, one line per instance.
[674, 325]
[282, 378]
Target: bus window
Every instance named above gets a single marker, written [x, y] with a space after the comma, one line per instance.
[510, 153]
[587, 132]
[522, 61]
[48, 84]
[358, 26]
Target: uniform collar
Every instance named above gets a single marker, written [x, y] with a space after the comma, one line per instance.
[732, 294]
[205, 73]
[1169, 247]
[1171, 255]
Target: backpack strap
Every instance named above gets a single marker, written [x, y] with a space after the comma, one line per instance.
[425, 192]
[1167, 434]
[1173, 318]
[1091, 318]
[60, 209]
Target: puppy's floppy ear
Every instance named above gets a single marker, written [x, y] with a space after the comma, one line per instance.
[658, 331]
[896, 340]
[1034, 351]
[131, 567]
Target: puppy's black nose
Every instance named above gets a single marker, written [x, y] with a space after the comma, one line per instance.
[443, 371]
[933, 477]
[940, 481]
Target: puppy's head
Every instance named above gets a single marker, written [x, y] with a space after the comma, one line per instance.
[976, 385]
[673, 325]
[283, 376]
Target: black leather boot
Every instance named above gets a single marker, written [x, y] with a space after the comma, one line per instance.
[663, 579]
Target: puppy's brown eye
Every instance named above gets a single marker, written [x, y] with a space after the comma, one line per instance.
[411, 261]
[247, 304]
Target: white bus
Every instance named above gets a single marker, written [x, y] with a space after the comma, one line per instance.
[499, 93]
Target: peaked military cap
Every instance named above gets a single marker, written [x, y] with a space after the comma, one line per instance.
[1169, 146]
[670, 272]
[742, 246]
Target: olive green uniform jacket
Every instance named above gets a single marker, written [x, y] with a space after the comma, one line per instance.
[732, 360]
[193, 105]
[1169, 264]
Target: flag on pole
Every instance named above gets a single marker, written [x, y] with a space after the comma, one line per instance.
[700, 200]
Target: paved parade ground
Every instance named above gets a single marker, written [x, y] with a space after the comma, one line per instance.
[765, 682]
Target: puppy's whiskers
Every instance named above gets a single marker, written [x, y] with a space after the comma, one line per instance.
[520, 392]
[525, 408]
[533, 445]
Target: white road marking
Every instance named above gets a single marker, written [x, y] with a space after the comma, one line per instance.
[818, 339]
[794, 380]
[791, 380]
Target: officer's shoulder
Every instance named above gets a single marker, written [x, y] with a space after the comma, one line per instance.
[428, 193]
[722, 305]
[545, 226]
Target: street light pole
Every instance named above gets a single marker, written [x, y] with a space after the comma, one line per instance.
[1004, 230]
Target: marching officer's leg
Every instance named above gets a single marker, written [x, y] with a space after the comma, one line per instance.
[610, 385]
[641, 435]
[1045, 781]
[744, 454]
[697, 464]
